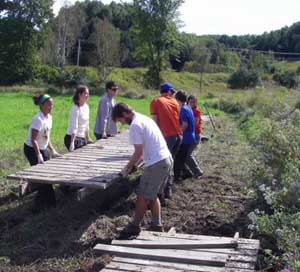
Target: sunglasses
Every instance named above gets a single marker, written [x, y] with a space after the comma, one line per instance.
[114, 89]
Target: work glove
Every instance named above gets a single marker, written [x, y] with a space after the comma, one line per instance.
[72, 147]
[55, 154]
[40, 158]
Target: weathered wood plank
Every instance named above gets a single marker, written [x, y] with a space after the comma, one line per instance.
[181, 256]
[78, 183]
[240, 265]
[162, 265]
[176, 244]
[149, 235]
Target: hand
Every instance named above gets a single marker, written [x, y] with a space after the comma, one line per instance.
[40, 158]
[104, 136]
[124, 172]
[89, 141]
[55, 154]
[72, 147]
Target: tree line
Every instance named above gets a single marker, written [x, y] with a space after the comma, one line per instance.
[145, 33]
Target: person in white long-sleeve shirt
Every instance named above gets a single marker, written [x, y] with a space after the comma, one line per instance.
[78, 128]
[104, 125]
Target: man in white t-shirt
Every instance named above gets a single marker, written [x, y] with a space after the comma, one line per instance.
[150, 145]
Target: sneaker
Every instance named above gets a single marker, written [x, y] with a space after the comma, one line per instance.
[156, 228]
[130, 230]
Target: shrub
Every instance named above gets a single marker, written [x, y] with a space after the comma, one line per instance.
[243, 78]
[45, 73]
[288, 79]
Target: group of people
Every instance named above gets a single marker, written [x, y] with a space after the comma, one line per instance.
[38, 142]
[164, 142]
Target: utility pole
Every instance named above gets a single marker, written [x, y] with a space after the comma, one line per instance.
[78, 52]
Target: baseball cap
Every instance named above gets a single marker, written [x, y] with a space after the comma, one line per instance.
[167, 86]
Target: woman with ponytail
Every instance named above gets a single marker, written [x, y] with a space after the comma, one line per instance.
[36, 145]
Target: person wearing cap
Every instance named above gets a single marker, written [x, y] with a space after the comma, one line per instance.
[187, 124]
[150, 145]
[36, 145]
[104, 125]
[165, 112]
[78, 128]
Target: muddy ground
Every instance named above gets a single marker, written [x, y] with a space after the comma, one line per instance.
[62, 239]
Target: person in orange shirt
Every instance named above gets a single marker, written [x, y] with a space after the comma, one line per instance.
[165, 112]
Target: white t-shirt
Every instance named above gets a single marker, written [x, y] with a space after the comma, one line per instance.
[143, 130]
[43, 125]
[78, 120]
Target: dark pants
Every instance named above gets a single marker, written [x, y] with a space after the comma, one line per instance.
[45, 197]
[173, 143]
[180, 160]
[79, 141]
[99, 136]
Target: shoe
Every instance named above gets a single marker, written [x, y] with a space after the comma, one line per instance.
[198, 176]
[178, 180]
[129, 231]
[168, 192]
[156, 228]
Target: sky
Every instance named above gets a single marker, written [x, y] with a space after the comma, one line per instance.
[231, 17]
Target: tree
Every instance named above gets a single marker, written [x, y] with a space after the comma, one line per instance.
[155, 27]
[21, 35]
[106, 41]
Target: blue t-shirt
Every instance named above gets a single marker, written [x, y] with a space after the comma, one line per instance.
[186, 114]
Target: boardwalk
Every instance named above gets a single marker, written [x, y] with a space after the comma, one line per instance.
[170, 252]
[94, 166]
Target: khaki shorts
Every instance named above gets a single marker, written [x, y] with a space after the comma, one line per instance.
[154, 178]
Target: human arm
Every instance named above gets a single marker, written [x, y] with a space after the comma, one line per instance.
[53, 152]
[73, 126]
[184, 125]
[135, 159]
[34, 134]
[87, 137]
[103, 116]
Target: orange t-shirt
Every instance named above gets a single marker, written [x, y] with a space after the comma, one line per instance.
[166, 110]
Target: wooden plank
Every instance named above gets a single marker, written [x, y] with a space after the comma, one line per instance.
[70, 171]
[79, 183]
[57, 177]
[150, 235]
[240, 265]
[162, 265]
[181, 256]
[176, 244]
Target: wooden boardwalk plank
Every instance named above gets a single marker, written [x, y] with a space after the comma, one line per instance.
[95, 165]
[162, 265]
[180, 256]
[176, 244]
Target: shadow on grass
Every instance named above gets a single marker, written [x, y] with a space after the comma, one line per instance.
[57, 233]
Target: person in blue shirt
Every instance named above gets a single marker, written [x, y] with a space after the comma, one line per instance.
[187, 125]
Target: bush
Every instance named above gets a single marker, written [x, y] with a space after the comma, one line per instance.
[243, 78]
[45, 73]
[288, 79]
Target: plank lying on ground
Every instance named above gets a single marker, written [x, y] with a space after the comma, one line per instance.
[176, 244]
[150, 235]
[163, 265]
[181, 256]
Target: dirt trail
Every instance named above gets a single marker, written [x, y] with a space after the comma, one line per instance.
[62, 239]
